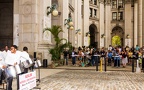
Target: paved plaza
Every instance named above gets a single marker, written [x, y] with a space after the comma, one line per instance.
[87, 78]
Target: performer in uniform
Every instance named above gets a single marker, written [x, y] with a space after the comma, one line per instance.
[11, 59]
[25, 58]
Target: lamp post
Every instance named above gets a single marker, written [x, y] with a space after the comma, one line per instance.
[69, 22]
[132, 5]
[52, 10]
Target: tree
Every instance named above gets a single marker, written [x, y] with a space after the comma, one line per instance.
[59, 46]
[116, 41]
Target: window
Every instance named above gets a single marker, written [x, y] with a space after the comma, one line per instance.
[95, 12]
[90, 12]
[95, 2]
[114, 3]
[114, 16]
[120, 16]
[120, 4]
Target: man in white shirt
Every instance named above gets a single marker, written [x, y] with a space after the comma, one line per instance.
[11, 59]
[1, 70]
[4, 53]
[25, 58]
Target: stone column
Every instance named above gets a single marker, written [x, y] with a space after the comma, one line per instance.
[135, 24]
[64, 9]
[85, 21]
[143, 21]
[128, 22]
[140, 23]
[108, 25]
[79, 23]
[28, 29]
[16, 23]
[102, 23]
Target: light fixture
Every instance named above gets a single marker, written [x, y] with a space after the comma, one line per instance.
[127, 36]
[77, 31]
[71, 27]
[87, 34]
[69, 22]
[102, 36]
[52, 10]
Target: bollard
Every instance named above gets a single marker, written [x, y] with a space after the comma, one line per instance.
[133, 65]
[97, 59]
[101, 65]
[105, 64]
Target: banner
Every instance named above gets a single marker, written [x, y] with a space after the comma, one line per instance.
[27, 81]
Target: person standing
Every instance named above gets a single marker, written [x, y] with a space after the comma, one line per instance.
[5, 51]
[143, 58]
[74, 56]
[124, 58]
[66, 56]
[25, 58]
[11, 59]
[2, 77]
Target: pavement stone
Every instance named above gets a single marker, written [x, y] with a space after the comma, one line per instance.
[92, 80]
[87, 78]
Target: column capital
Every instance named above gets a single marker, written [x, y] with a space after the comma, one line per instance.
[106, 2]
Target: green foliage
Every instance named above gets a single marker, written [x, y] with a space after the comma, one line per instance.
[59, 47]
[116, 41]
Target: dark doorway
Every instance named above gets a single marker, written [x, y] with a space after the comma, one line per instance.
[6, 23]
[93, 30]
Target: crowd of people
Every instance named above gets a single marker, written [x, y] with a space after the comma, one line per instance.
[11, 57]
[115, 56]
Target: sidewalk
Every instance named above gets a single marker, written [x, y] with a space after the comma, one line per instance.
[71, 74]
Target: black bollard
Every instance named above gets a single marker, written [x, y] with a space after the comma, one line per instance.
[97, 57]
[133, 65]
[105, 63]
[142, 64]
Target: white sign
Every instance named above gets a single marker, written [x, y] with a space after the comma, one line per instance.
[86, 41]
[128, 42]
[27, 81]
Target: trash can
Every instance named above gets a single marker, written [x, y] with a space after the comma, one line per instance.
[45, 63]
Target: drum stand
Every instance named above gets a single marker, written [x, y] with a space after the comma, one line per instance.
[38, 80]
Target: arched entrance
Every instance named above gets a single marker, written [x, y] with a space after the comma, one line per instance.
[117, 36]
[93, 35]
[6, 23]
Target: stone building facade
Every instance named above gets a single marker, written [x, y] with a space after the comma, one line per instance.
[22, 23]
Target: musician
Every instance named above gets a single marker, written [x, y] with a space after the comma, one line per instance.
[1, 70]
[11, 59]
[24, 57]
[6, 50]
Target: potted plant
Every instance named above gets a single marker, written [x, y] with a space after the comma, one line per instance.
[59, 46]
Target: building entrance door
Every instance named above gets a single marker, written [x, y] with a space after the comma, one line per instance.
[6, 23]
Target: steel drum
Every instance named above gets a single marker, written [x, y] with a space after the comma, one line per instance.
[18, 69]
[11, 71]
[39, 63]
[26, 64]
[36, 64]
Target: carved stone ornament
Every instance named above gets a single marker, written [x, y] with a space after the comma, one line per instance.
[27, 8]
